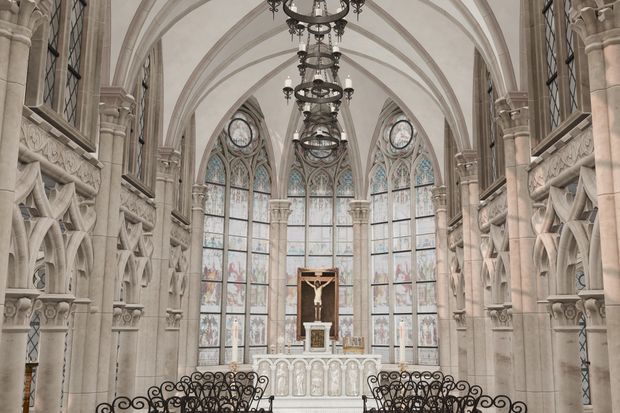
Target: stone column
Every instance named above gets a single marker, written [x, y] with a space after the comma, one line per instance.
[17, 22]
[501, 317]
[467, 165]
[443, 277]
[359, 210]
[279, 209]
[17, 312]
[90, 376]
[565, 313]
[126, 319]
[462, 340]
[598, 23]
[193, 294]
[171, 349]
[594, 305]
[54, 314]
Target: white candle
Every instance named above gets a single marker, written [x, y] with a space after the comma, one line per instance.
[338, 10]
[318, 76]
[288, 83]
[318, 12]
[335, 49]
[402, 342]
[296, 136]
[343, 136]
[293, 8]
[235, 341]
[302, 47]
[348, 83]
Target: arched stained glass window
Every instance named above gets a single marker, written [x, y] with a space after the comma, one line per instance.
[320, 232]
[402, 249]
[235, 246]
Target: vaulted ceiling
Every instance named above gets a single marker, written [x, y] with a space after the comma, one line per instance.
[218, 53]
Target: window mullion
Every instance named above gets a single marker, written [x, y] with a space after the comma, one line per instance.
[60, 81]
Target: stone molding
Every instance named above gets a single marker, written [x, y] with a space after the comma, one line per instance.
[467, 165]
[565, 310]
[574, 150]
[279, 210]
[57, 154]
[461, 319]
[126, 317]
[455, 236]
[173, 319]
[115, 110]
[440, 198]
[359, 211]
[22, 17]
[168, 162]
[596, 22]
[199, 193]
[493, 210]
[501, 315]
[593, 302]
[138, 206]
[179, 233]
[18, 307]
[55, 309]
[513, 112]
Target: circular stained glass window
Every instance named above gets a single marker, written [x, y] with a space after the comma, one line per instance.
[401, 134]
[240, 133]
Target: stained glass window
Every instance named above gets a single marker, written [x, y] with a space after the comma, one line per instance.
[320, 232]
[402, 252]
[235, 250]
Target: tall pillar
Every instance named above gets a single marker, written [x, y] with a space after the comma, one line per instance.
[54, 314]
[567, 367]
[126, 320]
[467, 165]
[17, 312]
[90, 377]
[359, 210]
[599, 29]
[501, 317]
[194, 278]
[463, 352]
[279, 209]
[594, 306]
[443, 277]
[17, 22]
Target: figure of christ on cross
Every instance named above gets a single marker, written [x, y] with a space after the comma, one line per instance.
[318, 286]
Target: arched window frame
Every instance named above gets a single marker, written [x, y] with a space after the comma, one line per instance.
[488, 134]
[557, 72]
[407, 238]
[222, 242]
[64, 69]
[453, 180]
[143, 135]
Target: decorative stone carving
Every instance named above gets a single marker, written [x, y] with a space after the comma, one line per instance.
[565, 310]
[353, 379]
[41, 142]
[501, 315]
[594, 306]
[179, 233]
[574, 149]
[18, 307]
[55, 311]
[300, 379]
[493, 209]
[460, 318]
[513, 112]
[282, 373]
[168, 162]
[138, 206]
[467, 165]
[126, 316]
[173, 319]
[455, 236]
[335, 386]
[440, 198]
[23, 14]
[199, 192]
[359, 211]
[279, 209]
[591, 19]
[316, 379]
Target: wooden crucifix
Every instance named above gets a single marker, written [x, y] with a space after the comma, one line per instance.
[317, 298]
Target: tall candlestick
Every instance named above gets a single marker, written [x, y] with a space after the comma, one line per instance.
[402, 342]
[235, 341]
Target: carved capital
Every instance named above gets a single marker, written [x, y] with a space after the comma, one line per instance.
[279, 210]
[440, 199]
[168, 162]
[594, 307]
[595, 21]
[501, 315]
[359, 211]
[467, 165]
[126, 316]
[24, 15]
[199, 192]
[565, 310]
[513, 112]
[115, 109]
[18, 308]
[173, 318]
[55, 311]
[461, 319]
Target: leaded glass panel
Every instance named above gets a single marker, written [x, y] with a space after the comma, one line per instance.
[552, 64]
[212, 261]
[52, 53]
[209, 330]
[74, 58]
[320, 211]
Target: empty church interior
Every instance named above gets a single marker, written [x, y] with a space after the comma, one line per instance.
[311, 202]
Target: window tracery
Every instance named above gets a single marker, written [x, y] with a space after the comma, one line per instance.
[402, 247]
[236, 244]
